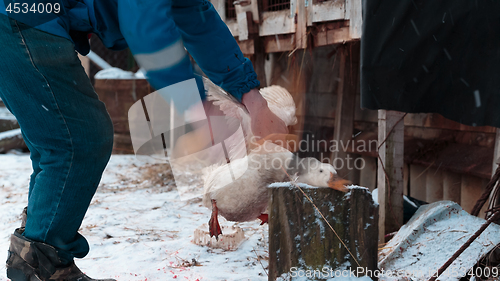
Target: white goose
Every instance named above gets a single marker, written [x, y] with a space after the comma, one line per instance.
[245, 198]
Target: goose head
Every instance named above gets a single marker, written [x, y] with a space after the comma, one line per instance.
[313, 172]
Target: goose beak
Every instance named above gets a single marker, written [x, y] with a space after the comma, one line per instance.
[338, 183]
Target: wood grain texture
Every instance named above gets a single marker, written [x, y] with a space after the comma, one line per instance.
[348, 86]
[301, 31]
[355, 17]
[391, 159]
[327, 36]
[277, 22]
[279, 43]
[328, 11]
[299, 236]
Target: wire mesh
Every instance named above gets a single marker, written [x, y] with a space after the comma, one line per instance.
[275, 5]
[230, 10]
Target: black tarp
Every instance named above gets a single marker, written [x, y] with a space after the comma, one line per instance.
[440, 56]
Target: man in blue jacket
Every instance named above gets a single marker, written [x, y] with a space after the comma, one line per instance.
[66, 127]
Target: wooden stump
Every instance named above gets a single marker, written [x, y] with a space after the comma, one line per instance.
[300, 239]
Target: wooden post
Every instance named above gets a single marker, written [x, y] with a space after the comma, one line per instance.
[452, 183]
[301, 30]
[299, 237]
[354, 15]
[242, 20]
[346, 99]
[391, 154]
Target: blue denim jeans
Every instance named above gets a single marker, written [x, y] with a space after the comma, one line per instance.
[66, 128]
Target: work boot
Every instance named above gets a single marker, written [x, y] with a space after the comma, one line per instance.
[35, 261]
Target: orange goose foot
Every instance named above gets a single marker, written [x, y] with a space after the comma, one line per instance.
[264, 218]
[213, 224]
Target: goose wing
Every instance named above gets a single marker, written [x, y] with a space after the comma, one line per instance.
[281, 103]
[232, 108]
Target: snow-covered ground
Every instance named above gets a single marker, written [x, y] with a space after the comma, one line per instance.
[5, 114]
[138, 231]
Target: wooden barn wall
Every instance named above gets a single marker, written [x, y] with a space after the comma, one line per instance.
[313, 75]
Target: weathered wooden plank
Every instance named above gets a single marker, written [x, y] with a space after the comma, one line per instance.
[233, 27]
[346, 97]
[354, 15]
[250, 6]
[247, 47]
[309, 12]
[242, 20]
[461, 137]
[452, 184]
[331, 36]
[328, 11]
[391, 158]
[434, 186]
[258, 61]
[418, 178]
[269, 64]
[299, 237]
[279, 43]
[434, 120]
[301, 32]
[277, 22]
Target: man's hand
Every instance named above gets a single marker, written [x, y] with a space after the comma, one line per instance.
[264, 122]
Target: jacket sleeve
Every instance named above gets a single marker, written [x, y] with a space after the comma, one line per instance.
[158, 30]
[153, 38]
[214, 49]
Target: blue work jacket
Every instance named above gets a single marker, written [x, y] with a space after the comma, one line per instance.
[158, 32]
